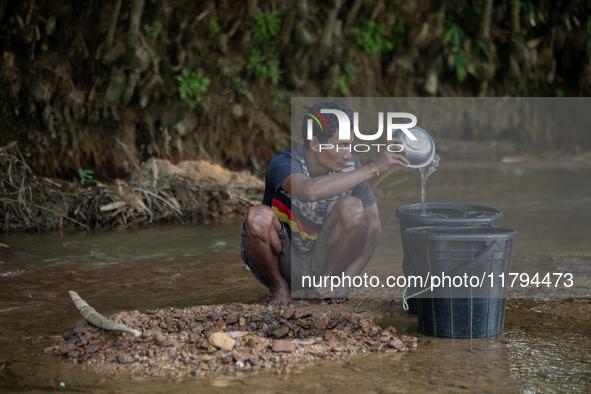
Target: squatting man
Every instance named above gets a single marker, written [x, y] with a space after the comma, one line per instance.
[319, 216]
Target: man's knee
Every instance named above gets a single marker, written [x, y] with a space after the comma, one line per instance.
[351, 212]
[260, 219]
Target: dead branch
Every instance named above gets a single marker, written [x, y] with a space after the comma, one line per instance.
[95, 318]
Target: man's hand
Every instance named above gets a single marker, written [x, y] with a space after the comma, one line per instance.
[387, 159]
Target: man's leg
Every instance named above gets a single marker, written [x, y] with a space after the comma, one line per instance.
[263, 245]
[347, 237]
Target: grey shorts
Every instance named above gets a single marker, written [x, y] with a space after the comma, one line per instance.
[292, 264]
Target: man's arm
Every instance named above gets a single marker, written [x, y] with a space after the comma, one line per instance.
[326, 186]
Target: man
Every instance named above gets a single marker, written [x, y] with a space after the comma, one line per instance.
[319, 216]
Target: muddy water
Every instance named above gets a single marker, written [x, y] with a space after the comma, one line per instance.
[546, 345]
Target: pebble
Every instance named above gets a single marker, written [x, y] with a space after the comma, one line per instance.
[283, 346]
[281, 332]
[222, 341]
[121, 359]
[288, 313]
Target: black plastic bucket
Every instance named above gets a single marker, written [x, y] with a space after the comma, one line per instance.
[442, 214]
[473, 311]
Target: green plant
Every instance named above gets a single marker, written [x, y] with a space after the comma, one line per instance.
[454, 40]
[278, 96]
[191, 86]
[86, 176]
[264, 61]
[155, 29]
[241, 87]
[588, 38]
[264, 27]
[214, 27]
[342, 81]
[371, 37]
[559, 93]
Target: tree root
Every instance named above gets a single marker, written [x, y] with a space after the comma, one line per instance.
[95, 318]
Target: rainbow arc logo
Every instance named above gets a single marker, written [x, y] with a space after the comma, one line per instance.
[316, 118]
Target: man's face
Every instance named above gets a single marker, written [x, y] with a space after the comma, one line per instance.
[335, 159]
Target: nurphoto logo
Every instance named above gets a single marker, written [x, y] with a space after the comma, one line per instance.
[345, 128]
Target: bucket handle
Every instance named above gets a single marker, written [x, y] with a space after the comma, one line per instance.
[484, 255]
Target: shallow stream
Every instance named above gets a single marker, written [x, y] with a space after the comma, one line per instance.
[546, 345]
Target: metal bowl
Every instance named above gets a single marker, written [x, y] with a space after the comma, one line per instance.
[420, 151]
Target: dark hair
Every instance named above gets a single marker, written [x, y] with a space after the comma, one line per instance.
[331, 121]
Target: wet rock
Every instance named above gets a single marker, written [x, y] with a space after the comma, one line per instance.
[254, 362]
[74, 353]
[166, 343]
[169, 320]
[231, 319]
[283, 346]
[255, 319]
[397, 344]
[301, 314]
[67, 349]
[220, 323]
[92, 349]
[407, 338]
[222, 341]
[49, 349]
[281, 332]
[121, 359]
[321, 322]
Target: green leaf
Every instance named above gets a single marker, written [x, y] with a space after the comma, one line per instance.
[448, 34]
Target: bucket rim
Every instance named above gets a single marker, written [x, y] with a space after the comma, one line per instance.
[403, 215]
[453, 233]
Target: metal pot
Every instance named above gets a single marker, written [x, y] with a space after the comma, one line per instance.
[420, 151]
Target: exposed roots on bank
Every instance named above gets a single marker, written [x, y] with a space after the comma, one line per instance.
[156, 191]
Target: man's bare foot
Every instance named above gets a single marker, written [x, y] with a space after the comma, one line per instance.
[338, 300]
[281, 297]
[326, 301]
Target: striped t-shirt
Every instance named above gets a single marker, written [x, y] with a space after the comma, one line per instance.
[303, 220]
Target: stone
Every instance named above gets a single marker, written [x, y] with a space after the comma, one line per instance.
[222, 341]
[158, 337]
[254, 362]
[283, 346]
[281, 332]
[321, 322]
[121, 359]
[288, 313]
[220, 323]
[92, 349]
[169, 320]
[396, 343]
[242, 322]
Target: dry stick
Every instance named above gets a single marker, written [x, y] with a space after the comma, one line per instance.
[160, 198]
[47, 209]
[95, 318]
[113, 26]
